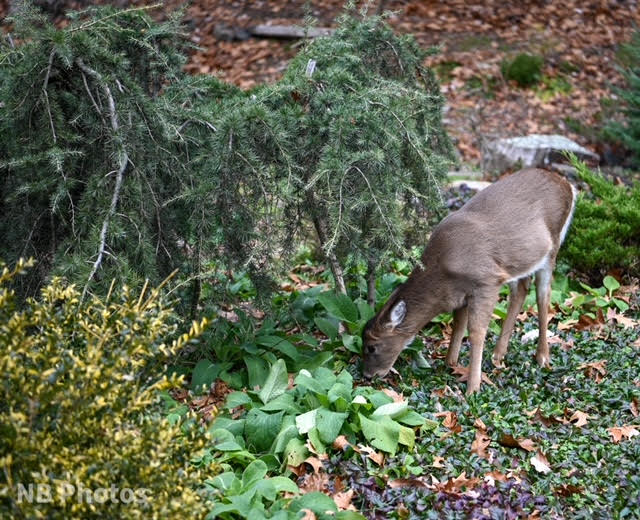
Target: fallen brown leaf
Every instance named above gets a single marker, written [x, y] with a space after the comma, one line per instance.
[633, 407]
[372, 454]
[618, 432]
[308, 515]
[437, 462]
[579, 419]
[566, 490]
[595, 370]
[397, 398]
[343, 500]
[407, 482]
[613, 315]
[480, 444]
[509, 441]
[341, 443]
[540, 463]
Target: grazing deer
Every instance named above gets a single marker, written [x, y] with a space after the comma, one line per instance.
[504, 234]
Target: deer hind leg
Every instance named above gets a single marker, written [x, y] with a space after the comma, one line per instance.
[459, 327]
[543, 294]
[480, 309]
[517, 294]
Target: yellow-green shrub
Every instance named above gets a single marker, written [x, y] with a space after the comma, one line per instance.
[77, 408]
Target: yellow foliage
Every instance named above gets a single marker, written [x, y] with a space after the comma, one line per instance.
[80, 436]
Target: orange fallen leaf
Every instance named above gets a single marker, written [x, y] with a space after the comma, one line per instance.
[633, 406]
[372, 454]
[315, 463]
[341, 443]
[437, 462]
[407, 482]
[618, 432]
[343, 500]
[463, 375]
[595, 370]
[613, 315]
[579, 418]
[480, 444]
[397, 398]
[510, 441]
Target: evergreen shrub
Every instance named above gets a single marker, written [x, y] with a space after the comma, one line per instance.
[628, 131]
[524, 69]
[605, 232]
[98, 123]
[350, 141]
[77, 408]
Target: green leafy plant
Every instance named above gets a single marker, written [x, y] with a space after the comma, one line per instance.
[524, 69]
[78, 406]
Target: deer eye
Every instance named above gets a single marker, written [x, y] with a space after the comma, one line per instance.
[371, 349]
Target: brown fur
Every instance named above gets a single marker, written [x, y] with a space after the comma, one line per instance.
[506, 233]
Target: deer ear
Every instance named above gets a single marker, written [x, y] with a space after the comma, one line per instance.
[397, 314]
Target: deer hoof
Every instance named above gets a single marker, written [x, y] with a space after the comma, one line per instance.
[543, 361]
[497, 361]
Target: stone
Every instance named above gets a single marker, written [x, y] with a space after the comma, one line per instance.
[531, 151]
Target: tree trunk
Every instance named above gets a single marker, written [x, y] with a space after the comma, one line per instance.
[371, 283]
[334, 263]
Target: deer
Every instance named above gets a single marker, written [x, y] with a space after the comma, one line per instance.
[507, 233]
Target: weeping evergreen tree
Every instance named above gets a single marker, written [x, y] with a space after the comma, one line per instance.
[97, 127]
[350, 140]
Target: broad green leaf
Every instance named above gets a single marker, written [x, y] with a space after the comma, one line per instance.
[329, 424]
[284, 484]
[393, 410]
[339, 305]
[383, 435]
[254, 472]
[340, 396]
[295, 452]
[316, 442]
[328, 326]
[279, 344]
[261, 429]
[611, 284]
[349, 515]
[306, 381]
[365, 310]
[204, 373]
[257, 370]
[352, 343]
[622, 305]
[276, 383]
[284, 402]
[406, 436]
[265, 488]
[224, 481]
[317, 502]
[235, 426]
[412, 418]
[224, 440]
[235, 399]
[288, 432]
[306, 421]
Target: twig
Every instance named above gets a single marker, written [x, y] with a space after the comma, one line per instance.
[119, 13]
[46, 96]
[124, 161]
[93, 101]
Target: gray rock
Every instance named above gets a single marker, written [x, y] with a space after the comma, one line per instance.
[531, 151]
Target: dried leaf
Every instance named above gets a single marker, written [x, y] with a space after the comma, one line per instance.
[437, 462]
[510, 441]
[397, 398]
[407, 482]
[579, 418]
[633, 407]
[618, 432]
[308, 515]
[372, 454]
[463, 375]
[480, 444]
[613, 315]
[343, 500]
[540, 463]
[595, 370]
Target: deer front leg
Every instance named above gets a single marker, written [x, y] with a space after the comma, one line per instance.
[518, 292]
[480, 310]
[543, 293]
[459, 327]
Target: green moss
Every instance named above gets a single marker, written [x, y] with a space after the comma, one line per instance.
[524, 69]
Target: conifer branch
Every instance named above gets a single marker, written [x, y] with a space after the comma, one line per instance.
[46, 95]
[124, 161]
[91, 23]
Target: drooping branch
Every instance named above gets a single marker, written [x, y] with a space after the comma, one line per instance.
[122, 167]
